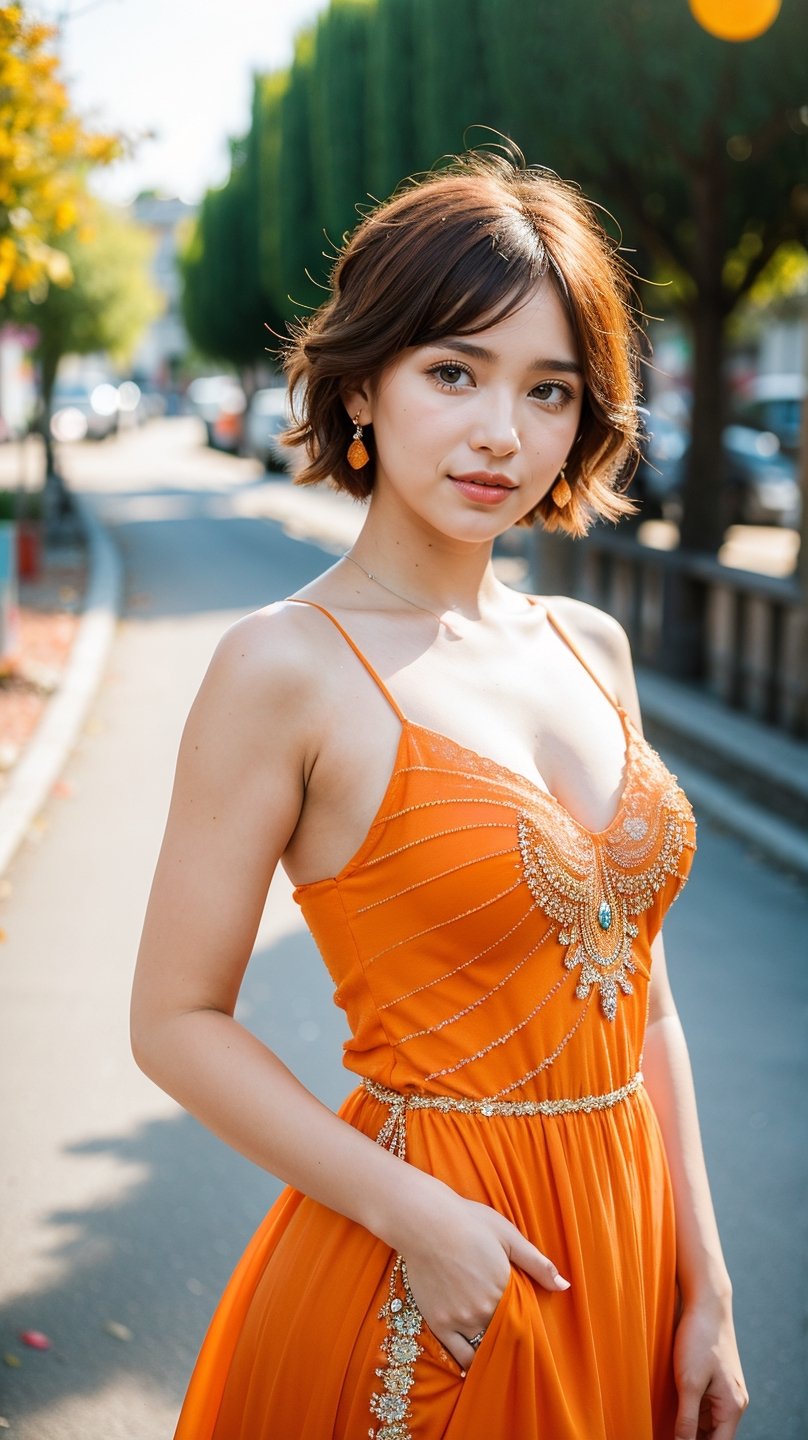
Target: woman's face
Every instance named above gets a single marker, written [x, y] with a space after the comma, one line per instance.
[471, 432]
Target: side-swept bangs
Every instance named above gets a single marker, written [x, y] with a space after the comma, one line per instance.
[451, 255]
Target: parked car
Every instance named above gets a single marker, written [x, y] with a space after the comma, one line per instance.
[220, 402]
[268, 415]
[154, 402]
[760, 479]
[774, 403]
[131, 406]
[84, 410]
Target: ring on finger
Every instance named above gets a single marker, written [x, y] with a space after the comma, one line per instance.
[475, 1340]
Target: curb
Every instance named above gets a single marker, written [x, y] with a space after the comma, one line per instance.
[44, 756]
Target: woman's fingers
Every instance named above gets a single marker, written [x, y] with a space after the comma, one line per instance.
[531, 1260]
[460, 1350]
[458, 1289]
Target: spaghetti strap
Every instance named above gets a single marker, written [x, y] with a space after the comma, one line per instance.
[374, 675]
[570, 644]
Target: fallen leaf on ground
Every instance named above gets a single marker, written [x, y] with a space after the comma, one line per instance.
[13, 1360]
[117, 1330]
[35, 1339]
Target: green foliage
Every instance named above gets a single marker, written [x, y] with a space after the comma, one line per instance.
[300, 241]
[111, 301]
[697, 145]
[225, 303]
[269, 100]
[455, 82]
[392, 89]
[21, 504]
[339, 124]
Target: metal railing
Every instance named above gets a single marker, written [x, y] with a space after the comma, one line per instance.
[742, 637]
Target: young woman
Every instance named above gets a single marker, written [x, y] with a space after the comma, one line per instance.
[507, 1230]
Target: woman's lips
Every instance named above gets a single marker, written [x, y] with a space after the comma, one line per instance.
[484, 487]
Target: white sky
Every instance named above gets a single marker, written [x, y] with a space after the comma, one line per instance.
[182, 71]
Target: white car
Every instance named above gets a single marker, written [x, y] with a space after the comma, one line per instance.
[83, 410]
[268, 415]
[219, 401]
[774, 403]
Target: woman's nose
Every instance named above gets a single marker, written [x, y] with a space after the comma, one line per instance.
[495, 427]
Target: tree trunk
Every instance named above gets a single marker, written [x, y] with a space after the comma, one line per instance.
[58, 510]
[802, 555]
[703, 517]
[49, 365]
[702, 527]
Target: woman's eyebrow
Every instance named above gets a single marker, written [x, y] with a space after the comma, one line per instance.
[478, 352]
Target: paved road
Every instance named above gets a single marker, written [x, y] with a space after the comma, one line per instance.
[119, 1211]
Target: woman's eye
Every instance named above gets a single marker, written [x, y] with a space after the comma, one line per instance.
[449, 374]
[552, 392]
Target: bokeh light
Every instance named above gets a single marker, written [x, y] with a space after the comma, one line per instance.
[735, 19]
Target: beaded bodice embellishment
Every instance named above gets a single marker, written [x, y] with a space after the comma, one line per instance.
[594, 885]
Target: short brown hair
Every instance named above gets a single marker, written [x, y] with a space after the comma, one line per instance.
[451, 254]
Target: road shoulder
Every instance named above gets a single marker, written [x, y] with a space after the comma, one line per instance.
[31, 779]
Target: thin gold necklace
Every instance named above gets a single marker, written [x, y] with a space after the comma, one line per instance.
[407, 601]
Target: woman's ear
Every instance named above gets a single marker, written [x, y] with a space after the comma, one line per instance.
[357, 404]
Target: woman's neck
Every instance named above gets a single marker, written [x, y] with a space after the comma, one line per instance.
[426, 568]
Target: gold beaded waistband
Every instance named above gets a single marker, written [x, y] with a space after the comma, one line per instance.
[393, 1132]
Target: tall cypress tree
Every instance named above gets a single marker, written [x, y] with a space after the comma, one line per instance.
[267, 121]
[392, 97]
[339, 113]
[301, 242]
[454, 74]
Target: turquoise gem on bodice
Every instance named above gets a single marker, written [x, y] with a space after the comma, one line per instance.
[604, 915]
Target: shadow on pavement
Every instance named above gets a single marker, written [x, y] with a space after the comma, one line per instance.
[156, 1261]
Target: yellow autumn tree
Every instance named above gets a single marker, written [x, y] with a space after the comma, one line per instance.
[45, 154]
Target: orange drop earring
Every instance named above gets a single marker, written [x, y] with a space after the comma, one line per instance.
[357, 456]
[561, 493]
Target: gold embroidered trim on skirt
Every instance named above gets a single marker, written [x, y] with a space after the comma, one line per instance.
[403, 1324]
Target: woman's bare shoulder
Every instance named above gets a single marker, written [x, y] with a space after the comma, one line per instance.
[603, 643]
[268, 669]
[269, 646]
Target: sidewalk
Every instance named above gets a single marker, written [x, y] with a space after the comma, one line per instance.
[747, 777]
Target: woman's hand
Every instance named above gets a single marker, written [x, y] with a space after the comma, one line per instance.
[712, 1393]
[459, 1268]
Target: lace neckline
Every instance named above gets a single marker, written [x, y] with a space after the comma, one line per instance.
[631, 737]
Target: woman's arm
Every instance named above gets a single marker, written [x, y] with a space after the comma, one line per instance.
[712, 1394]
[245, 764]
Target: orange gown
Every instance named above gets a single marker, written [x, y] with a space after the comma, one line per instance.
[493, 958]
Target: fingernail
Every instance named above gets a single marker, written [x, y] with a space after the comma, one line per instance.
[560, 1283]
[462, 1374]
